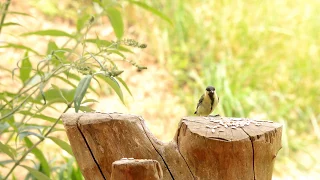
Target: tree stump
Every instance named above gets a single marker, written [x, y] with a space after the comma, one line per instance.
[136, 169]
[203, 147]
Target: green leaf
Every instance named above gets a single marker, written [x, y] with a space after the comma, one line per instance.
[5, 162]
[37, 174]
[82, 21]
[44, 165]
[152, 10]
[114, 51]
[4, 126]
[25, 68]
[72, 76]
[26, 127]
[114, 85]
[105, 43]
[24, 134]
[66, 81]
[19, 46]
[124, 84]
[90, 101]
[7, 150]
[60, 93]
[10, 24]
[53, 95]
[99, 42]
[77, 78]
[116, 21]
[49, 105]
[39, 116]
[52, 46]
[81, 91]
[58, 55]
[9, 119]
[50, 32]
[19, 13]
[65, 146]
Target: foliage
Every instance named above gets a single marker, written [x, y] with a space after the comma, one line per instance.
[51, 83]
[262, 57]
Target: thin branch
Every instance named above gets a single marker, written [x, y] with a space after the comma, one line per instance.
[33, 86]
[18, 107]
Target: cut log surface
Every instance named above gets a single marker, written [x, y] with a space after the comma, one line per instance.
[136, 169]
[203, 147]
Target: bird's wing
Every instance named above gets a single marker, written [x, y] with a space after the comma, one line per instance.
[200, 101]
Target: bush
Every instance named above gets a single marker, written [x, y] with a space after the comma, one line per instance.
[56, 81]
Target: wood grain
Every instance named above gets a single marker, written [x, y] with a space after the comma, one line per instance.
[203, 147]
[136, 169]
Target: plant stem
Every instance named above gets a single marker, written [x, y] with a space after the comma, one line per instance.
[25, 91]
[20, 94]
[18, 107]
[4, 13]
[37, 143]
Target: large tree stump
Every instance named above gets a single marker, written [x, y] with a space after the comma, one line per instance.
[203, 147]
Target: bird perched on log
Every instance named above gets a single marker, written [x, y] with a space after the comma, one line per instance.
[208, 101]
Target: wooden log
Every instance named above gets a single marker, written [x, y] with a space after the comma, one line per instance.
[203, 147]
[136, 169]
[229, 148]
[89, 167]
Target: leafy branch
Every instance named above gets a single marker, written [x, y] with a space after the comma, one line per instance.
[17, 163]
[73, 66]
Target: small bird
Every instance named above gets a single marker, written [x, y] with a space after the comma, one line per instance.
[208, 101]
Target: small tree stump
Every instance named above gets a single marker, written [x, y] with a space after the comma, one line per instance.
[136, 169]
[203, 147]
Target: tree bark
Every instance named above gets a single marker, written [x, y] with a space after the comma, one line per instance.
[136, 169]
[203, 147]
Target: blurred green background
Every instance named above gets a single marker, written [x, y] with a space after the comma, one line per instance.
[262, 57]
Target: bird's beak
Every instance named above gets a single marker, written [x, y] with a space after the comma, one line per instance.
[212, 92]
